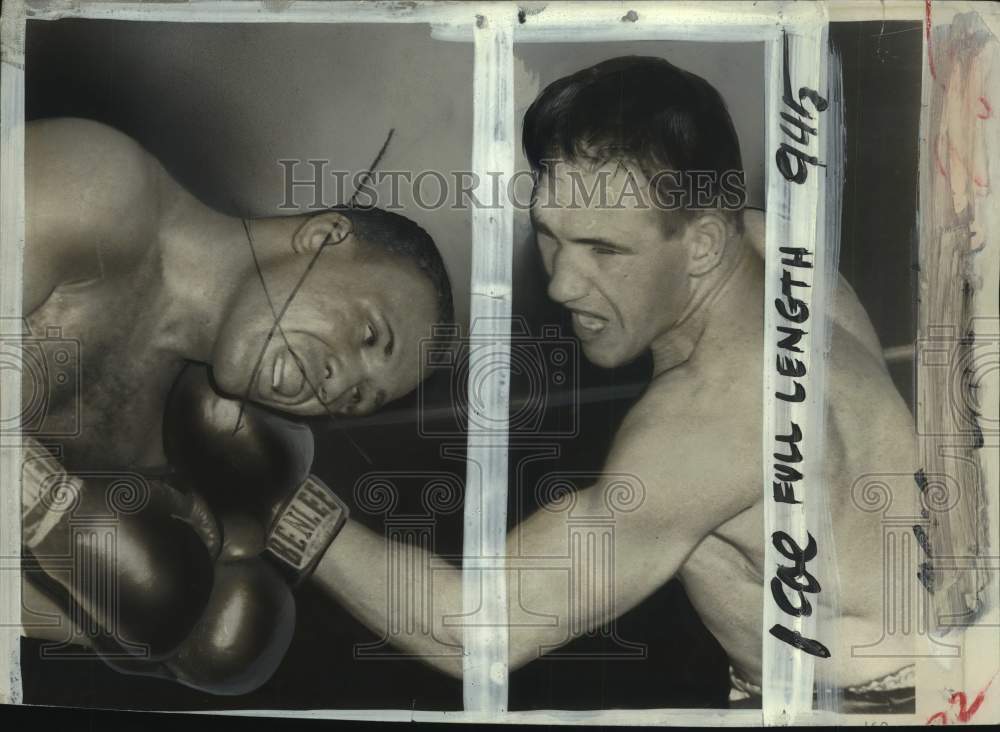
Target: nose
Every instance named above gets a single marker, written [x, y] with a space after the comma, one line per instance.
[567, 281]
[341, 375]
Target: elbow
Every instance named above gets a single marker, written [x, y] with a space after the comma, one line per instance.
[449, 663]
[517, 658]
[452, 666]
[451, 660]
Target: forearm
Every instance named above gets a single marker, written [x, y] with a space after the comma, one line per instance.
[564, 580]
[409, 606]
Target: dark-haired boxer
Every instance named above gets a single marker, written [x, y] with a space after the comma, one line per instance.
[686, 284]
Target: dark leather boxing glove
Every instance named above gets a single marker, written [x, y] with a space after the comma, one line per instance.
[252, 466]
[226, 562]
[149, 573]
[155, 546]
[240, 639]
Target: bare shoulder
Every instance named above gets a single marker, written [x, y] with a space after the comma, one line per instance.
[91, 202]
[690, 450]
[847, 313]
[725, 397]
[78, 129]
[868, 415]
[89, 155]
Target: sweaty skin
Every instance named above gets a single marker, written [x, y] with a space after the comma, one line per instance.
[693, 441]
[124, 263]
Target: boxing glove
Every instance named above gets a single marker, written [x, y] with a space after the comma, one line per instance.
[240, 639]
[276, 520]
[263, 524]
[134, 554]
[252, 466]
[138, 567]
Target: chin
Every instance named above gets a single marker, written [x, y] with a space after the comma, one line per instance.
[612, 355]
[604, 357]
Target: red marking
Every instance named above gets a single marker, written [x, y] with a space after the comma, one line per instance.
[987, 109]
[940, 165]
[965, 713]
[980, 183]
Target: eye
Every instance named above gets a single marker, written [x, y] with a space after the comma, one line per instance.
[371, 335]
[328, 371]
[604, 251]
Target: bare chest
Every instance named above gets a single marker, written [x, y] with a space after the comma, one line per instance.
[94, 381]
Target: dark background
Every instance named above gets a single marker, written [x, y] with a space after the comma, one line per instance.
[89, 69]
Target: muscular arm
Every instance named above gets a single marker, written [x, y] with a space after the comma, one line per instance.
[652, 505]
[91, 199]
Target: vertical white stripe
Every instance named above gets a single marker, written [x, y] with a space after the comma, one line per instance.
[11, 249]
[485, 591]
[792, 221]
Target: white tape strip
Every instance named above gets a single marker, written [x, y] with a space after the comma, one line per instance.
[792, 434]
[11, 246]
[485, 592]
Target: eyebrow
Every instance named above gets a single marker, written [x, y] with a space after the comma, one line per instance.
[601, 242]
[540, 226]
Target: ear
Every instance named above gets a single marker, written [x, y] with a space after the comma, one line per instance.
[706, 238]
[325, 229]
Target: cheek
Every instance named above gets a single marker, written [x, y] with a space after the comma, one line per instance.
[314, 312]
[237, 328]
[546, 252]
[233, 355]
[634, 285]
[669, 280]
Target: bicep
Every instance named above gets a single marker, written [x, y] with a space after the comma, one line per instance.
[90, 193]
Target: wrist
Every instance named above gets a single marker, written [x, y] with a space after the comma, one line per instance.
[303, 528]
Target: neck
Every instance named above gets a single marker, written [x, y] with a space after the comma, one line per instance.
[676, 346]
[205, 257]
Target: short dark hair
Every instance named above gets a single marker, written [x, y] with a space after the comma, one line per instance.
[637, 109]
[399, 235]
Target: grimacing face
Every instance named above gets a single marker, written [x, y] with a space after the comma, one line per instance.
[351, 334]
[625, 282]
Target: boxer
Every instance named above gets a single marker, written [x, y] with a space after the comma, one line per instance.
[195, 330]
[687, 285]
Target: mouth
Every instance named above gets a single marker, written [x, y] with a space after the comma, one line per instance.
[587, 324]
[283, 380]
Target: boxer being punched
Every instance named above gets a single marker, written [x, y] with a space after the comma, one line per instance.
[304, 315]
[688, 286]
